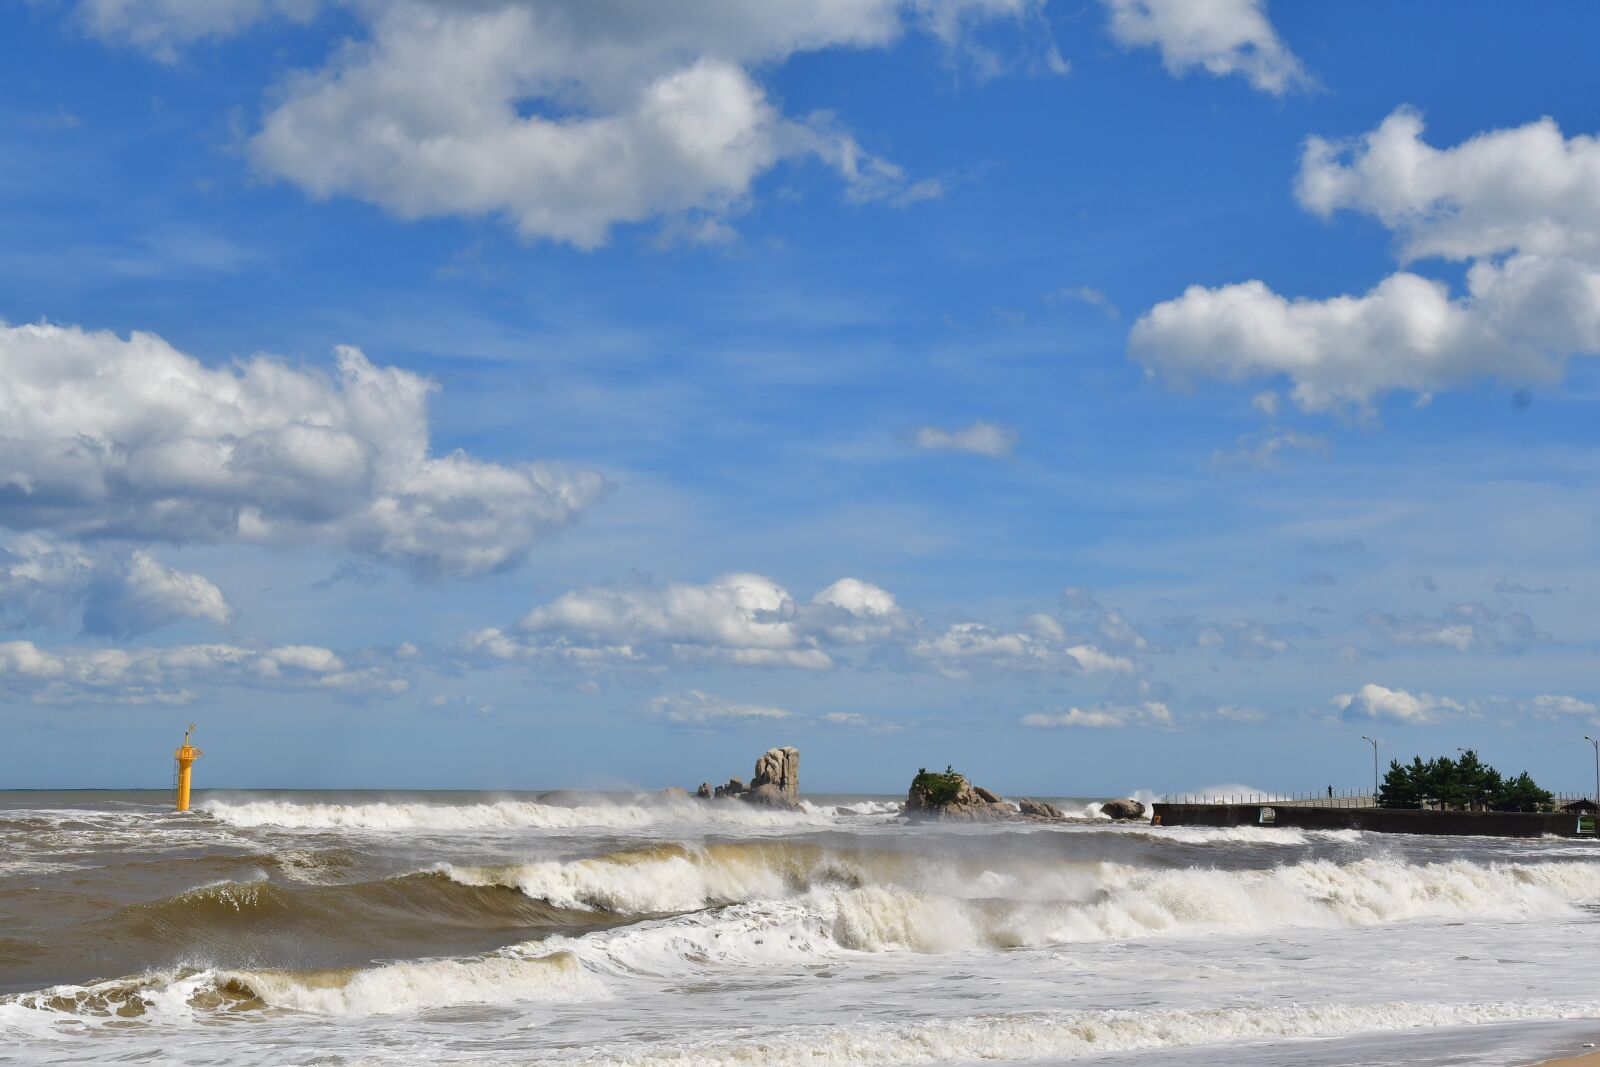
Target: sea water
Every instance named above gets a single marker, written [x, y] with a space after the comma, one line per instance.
[443, 928]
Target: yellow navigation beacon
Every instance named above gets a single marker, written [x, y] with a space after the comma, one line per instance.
[186, 754]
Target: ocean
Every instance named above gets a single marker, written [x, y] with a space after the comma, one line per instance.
[290, 927]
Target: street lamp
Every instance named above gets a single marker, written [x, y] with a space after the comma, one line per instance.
[1373, 741]
[1596, 745]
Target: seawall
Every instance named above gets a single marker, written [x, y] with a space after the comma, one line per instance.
[1380, 820]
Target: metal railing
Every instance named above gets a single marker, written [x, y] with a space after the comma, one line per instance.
[1339, 798]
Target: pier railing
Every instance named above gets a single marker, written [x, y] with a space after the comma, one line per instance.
[1338, 798]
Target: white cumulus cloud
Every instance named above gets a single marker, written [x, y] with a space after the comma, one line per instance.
[130, 438]
[1521, 206]
[1381, 704]
[751, 620]
[45, 582]
[570, 117]
[854, 612]
[1221, 37]
[743, 619]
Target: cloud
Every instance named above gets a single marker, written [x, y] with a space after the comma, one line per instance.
[165, 675]
[44, 582]
[1463, 627]
[1552, 706]
[1381, 704]
[696, 708]
[1112, 628]
[570, 118]
[1148, 713]
[741, 619]
[108, 437]
[750, 620]
[1084, 294]
[981, 438]
[1221, 37]
[1524, 189]
[1506, 587]
[1242, 640]
[164, 27]
[1520, 206]
[1263, 447]
[145, 595]
[854, 612]
[970, 646]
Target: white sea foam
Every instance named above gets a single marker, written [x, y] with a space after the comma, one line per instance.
[1037, 1036]
[802, 900]
[519, 815]
[860, 807]
[678, 878]
[412, 985]
[822, 922]
[517, 975]
[1241, 835]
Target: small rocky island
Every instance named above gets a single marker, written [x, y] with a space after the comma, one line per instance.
[948, 796]
[775, 784]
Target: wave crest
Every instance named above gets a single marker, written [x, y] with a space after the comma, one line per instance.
[530, 815]
[514, 975]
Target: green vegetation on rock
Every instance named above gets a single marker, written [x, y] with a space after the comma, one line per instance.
[939, 788]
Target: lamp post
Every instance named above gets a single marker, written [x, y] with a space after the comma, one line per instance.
[1596, 745]
[1374, 743]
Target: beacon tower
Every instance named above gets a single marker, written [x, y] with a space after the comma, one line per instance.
[185, 755]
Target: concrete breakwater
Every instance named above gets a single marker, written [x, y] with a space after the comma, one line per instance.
[1381, 820]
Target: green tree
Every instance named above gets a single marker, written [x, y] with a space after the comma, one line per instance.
[939, 788]
[1467, 782]
[1401, 785]
[1521, 794]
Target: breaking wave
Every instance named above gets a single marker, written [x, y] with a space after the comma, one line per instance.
[817, 900]
[326, 910]
[532, 815]
[510, 976]
[680, 878]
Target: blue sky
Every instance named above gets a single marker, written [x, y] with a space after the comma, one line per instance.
[1099, 396]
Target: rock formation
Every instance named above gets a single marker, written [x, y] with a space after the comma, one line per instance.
[1038, 809]
[768, 796]
[779, 767]
[776, 783]
[1123, 809]
[950, 796]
